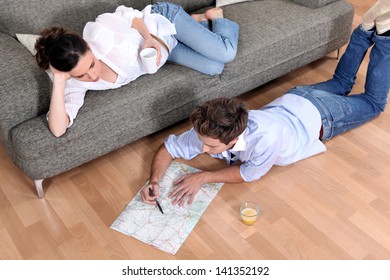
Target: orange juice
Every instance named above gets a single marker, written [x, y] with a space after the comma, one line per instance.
[249, 216]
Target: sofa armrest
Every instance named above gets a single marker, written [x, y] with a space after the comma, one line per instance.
[24, 88]
[314, 3]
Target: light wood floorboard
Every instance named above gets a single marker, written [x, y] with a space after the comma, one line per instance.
[335, 205]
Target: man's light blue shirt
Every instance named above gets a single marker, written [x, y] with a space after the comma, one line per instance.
[280, 133]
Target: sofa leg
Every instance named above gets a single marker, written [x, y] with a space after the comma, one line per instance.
[39, 187]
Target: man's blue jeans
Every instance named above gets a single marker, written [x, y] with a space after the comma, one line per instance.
[200, 48]
[339, 111]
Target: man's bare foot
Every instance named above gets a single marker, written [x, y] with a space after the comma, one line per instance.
[214, 13]
[199, 17]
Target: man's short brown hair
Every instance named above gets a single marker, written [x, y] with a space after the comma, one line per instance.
[221, 118]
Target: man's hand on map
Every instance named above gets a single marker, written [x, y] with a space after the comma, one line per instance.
[187, 187]
[146, 198]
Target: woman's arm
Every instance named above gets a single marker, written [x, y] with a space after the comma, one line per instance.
[57, 118]
[149, 42]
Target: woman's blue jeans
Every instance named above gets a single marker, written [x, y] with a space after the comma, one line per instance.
[339, 111]
[200, 48]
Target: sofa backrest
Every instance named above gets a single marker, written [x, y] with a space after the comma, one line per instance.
[31, 16]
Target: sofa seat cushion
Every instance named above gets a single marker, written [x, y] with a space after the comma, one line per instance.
[285, 34]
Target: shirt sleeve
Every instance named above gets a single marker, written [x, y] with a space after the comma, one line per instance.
[186, 145]
[116, 25]
[120, 20]
[74, 100]
[261, 161]
[128, 13]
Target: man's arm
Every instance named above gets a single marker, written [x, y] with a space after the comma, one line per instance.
[187, 146]
[162, 159]
[189, 185]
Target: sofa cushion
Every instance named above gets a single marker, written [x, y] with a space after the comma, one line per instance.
[314, 3]
[31, 16]
[293, 36]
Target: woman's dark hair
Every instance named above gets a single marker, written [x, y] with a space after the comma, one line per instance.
[222, 118]
[60, 48]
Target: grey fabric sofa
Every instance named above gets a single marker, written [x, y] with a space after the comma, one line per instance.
[276, 37]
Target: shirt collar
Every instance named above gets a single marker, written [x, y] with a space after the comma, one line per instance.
[241, 143]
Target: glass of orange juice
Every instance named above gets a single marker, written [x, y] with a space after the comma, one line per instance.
[249, 212]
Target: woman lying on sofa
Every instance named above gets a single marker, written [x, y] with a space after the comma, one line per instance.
[107, 56]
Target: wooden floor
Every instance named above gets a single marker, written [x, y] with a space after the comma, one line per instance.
[332, 206]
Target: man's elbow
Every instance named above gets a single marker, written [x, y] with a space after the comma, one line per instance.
[249, 179]
[164, 151]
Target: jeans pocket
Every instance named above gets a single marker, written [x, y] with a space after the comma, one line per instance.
[336, 106]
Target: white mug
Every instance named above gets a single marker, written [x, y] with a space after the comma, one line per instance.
[149, 59]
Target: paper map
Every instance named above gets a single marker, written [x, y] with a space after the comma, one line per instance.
[167, 231]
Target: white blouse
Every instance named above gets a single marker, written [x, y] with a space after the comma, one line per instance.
[114, 42]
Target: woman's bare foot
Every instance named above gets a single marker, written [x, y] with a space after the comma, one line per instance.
[199, 17]
[214, 13]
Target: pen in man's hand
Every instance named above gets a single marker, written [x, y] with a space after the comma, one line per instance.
[151, 193]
